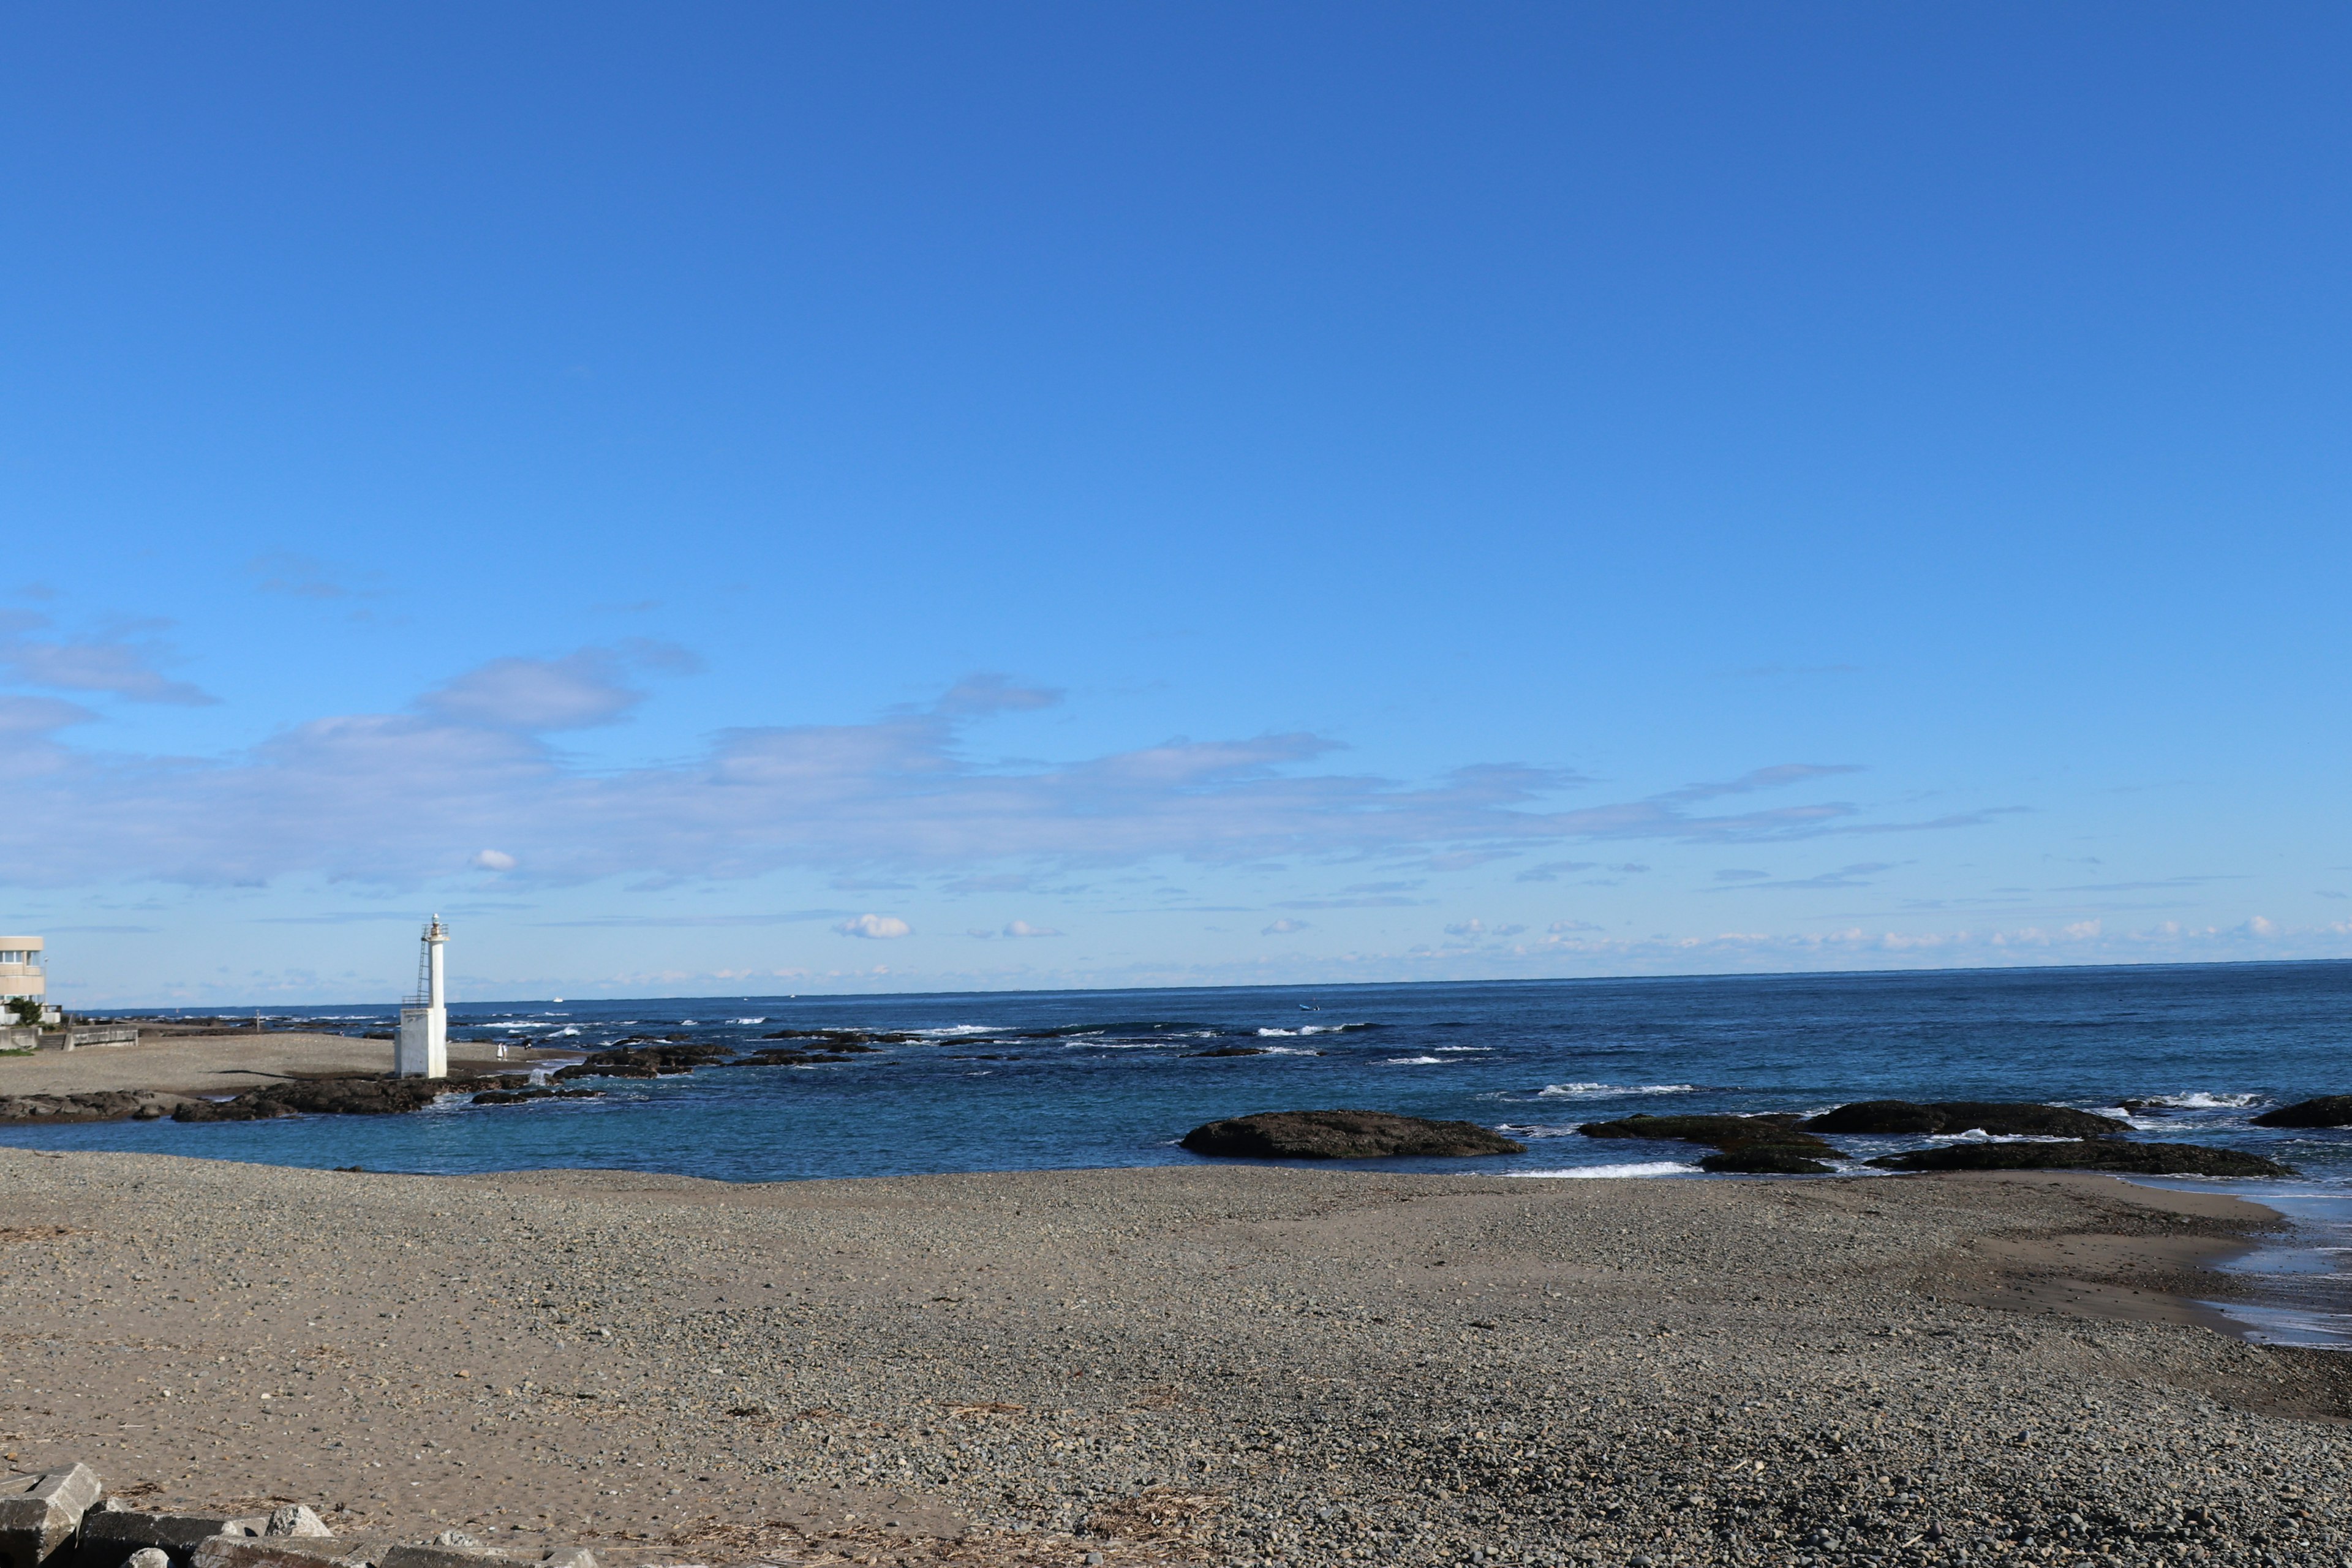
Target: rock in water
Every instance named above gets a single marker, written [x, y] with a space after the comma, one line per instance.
[2000, 1120]
[2327, 1110]
[1743, 1137]
[1344, 1135]
[2089, 1154]
[1763, 1160]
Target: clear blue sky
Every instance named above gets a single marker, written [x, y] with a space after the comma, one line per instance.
[757, 498]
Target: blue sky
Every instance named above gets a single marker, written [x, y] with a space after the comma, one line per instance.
[758, 498]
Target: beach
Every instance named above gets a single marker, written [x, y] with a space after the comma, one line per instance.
[220, 1064]
[1217, 1364]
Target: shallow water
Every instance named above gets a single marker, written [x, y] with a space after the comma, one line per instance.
[1061, 1080]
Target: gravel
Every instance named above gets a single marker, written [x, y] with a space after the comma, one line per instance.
[1228, 1365]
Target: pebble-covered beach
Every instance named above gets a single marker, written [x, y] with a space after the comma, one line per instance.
[1215, 1365]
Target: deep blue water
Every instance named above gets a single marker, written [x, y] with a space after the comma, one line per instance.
[1011, 1081]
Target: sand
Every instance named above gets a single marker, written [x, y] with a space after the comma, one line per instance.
[224, 1063]
[1208, 1364]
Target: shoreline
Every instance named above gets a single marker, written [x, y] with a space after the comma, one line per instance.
[1223, 1364]
[215, 1064]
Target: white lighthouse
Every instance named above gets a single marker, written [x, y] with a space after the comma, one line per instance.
[423, 1050]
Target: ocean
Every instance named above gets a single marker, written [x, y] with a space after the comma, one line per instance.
[1064, 1079]
[1009, 1080]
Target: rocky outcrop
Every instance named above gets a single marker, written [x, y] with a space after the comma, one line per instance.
[521, 1096]
[1763, 1160]
[2089, 1154]
[2327, 1110]
[646, 1061]
[320, 1097]
[782, 1058]
[843, 1039]
[104, 1105]
[1344, 1135]
[1736, 1137]
[2000, 1119]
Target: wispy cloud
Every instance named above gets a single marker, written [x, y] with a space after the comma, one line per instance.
[1854, 875]
[1013, 929]
[397, 797]
[124, 666]
[306, 577]
[1284, 927]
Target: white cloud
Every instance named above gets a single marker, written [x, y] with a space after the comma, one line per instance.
[494, 861]
[879, 927]
[1284, 928]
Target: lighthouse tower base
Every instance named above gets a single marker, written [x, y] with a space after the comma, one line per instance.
[421, 1049]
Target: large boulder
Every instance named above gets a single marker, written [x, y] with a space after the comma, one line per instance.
[1730, 1134]
[2327, 1110]
[2001, 1119]
[41, 1512]
[2089, 1154]
[1344, 1135]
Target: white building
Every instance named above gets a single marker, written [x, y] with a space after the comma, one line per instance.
[22, 972]
[421, 1049]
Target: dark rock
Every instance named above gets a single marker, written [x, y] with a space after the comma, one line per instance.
[519, 1096]
[770, 1058]
[2088, 1154]
[2002, 1121]
[843, 1039]
[1731, 1134]
[319, 1096]
[1763, 1160]
[101, 1105]
[1344, 1135]
[1231, 1051]
[2327, 1110]
[645, 1061]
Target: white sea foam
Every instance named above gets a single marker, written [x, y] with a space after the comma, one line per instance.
[1416, 1061]
[1609, 1091]
[1313, 1029]
[1534, 1129]
[1463, 1049]
[1640, 1168]
[1978, 1135]
[747, 1020]
[951, 1030]
[2198, 1099]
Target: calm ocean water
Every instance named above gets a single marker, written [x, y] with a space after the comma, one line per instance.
[1056, 1079]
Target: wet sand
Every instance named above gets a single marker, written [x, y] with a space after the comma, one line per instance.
[1203, 1364]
